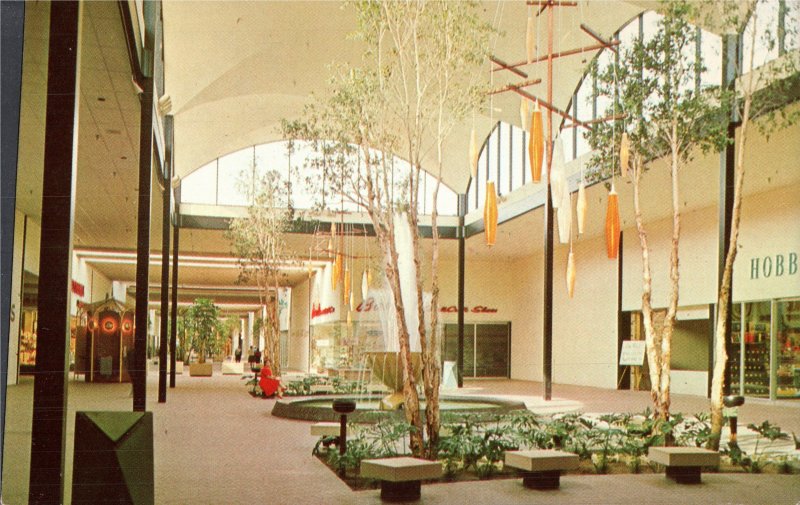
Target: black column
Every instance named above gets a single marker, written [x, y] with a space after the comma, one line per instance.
[139, 370]
[547, 297]
[462, 210]
[165, 221]
[727, 161]
[58, 204]
[12, 16]
[623, 321]
[174, 312]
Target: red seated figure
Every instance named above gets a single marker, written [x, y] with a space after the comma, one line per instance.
[269, 384]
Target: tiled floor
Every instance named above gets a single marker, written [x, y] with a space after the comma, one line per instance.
[215, 444]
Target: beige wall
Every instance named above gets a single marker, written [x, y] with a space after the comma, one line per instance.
[298, 327]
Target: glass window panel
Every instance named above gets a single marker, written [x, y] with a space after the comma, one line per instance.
[788, 352]
[518, 150]
[566, 136]
[583, 144]
[766, 26]
[630, 33]
[757, 317]
[271, 158]
[451, 346]
[650, 22]
[585, 99]
[792, 26]
[504, 184]
[711, 53]
[491, 350]
[235, 177]
[201, 185]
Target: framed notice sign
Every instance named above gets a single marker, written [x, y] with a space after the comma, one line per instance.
[632, 353]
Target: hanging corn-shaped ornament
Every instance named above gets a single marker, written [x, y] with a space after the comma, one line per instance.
[558, 180]
[536, 145]
[347, 284]
[612, 223]
[564, 216]
[580, 207]
[530, 40]
[352, 301]
[570, 273]
[337, 270]
[364, 285]
[525, 114]
[349, 318]
[474, 154]
[332, 240]
[490, 214]
[624, 154]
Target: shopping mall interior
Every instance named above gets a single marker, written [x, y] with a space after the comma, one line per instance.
[151, 148]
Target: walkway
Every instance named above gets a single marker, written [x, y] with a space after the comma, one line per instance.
[215, 444]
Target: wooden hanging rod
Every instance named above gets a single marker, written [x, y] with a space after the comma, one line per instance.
[598, 120]
[504, 65]
[553, 108]
[570, 52]
[513, 87]
[596, 36]
[545, 4]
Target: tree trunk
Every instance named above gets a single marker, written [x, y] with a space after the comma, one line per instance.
[723, 298]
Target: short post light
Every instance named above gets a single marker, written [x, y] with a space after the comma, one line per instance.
[731, 403]
[343, 406]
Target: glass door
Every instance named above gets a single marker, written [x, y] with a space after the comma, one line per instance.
[486, 348]
[757, 319]
[787, 351]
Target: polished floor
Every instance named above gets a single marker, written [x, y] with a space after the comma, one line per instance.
[215, 444]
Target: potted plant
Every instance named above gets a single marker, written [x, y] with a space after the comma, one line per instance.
[203, 334]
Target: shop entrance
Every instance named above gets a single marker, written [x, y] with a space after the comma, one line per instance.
[764, 353]
[487, 348]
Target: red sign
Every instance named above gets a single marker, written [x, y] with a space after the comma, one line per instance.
[317, 311]
[367, 305]
[77, 288]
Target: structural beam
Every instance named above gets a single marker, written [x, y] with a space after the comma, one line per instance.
[173, 332]
[48, 429]
[547, 299]
[569, 52]
[505, 66]
[462, 211]
[596, 36]
[139, 370]
[164, 342]
[511, 87]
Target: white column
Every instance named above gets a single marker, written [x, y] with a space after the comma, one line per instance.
[250, 320]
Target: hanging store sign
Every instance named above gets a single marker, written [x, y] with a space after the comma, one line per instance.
[773, 266]
[478, 309]
[78, 288]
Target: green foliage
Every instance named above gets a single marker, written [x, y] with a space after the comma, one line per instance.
[652, 83]
[203, 328]
[471, 443]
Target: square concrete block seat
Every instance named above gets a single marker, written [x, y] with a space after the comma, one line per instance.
[400, 477]
[325, 429]
[541, 469]
[683, 464]
[321, 388]
[232, 368]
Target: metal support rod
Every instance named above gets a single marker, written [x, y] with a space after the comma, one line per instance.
[462, 210]
[547, 299]
[596, 36]
[547, 104]
[164, 341]
[48, 428]
[173, 332]
[550, 56]
[512, 87]
[139, 375]
[585, 124]
[503, 65]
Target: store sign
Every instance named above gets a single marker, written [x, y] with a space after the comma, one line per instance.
[317, 311]
[367, 305]
[773, 266]
[478, 309]
[77, 288]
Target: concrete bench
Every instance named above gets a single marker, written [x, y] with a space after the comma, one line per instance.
[400, 477]
[232, 368]
[683, 464]
[541, 469]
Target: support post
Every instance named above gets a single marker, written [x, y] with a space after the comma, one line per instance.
[165, 222]
[48, 429]
[731, 55]
[139, 375]
[462, 210]
[174, 313]
[13, 21]
[547, 298]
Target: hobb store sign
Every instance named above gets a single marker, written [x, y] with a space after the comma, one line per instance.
[773, 266]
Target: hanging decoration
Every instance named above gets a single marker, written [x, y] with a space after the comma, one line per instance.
[352, 301]
[530, 41]
[624, 154]
[536, 145]
[364, 285]
[558, 180]
[347, 284]
[525, 114]
[474, 153]
[580, 206]
[337, 270]
[490, 214]
[564, 214]
[612, 223]
[570, 272]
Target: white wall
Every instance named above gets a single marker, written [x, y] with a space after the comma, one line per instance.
[585, 327]
[298, 334]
